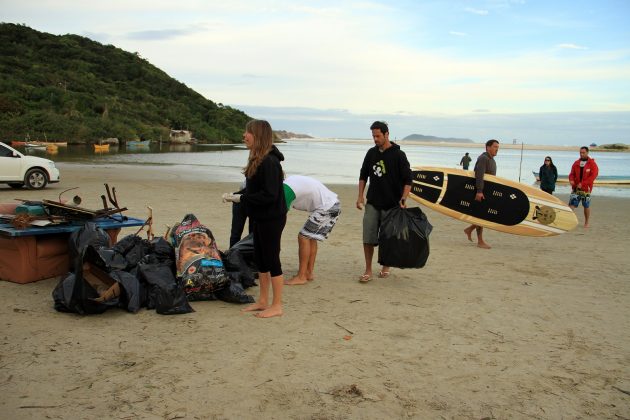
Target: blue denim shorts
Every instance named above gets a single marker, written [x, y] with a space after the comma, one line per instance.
[580, 196]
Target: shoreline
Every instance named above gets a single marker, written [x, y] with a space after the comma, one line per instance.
[177, 171]
[533, 327]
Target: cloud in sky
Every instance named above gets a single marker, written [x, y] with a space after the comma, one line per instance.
[368, 57]
[161, 34]
[571, 47]
[476, 11]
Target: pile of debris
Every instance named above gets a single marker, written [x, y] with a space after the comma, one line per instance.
[157, 273]
[50, 212]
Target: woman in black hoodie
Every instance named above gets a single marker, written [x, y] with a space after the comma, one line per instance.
[265, 205]
[548, 174]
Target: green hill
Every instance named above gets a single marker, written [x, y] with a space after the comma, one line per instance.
[70, 88]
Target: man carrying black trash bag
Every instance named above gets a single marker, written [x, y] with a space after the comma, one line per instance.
[403, 240]
[388, 171]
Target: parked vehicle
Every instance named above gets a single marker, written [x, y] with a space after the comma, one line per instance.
[17, 169]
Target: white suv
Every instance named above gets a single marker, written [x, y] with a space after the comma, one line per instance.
[17, 169]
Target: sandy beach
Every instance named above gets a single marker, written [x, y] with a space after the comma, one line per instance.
[533, 328]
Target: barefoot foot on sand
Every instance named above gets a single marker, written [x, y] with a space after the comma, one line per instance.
[296, 280]
[270, 312]
[483, 245]
[255, 307]
[468, 233]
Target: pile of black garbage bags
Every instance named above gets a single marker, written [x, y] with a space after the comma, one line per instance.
[138, 273]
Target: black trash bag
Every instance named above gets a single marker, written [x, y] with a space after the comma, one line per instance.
[157, 269]
[73, 293]
[133, 248]
[79, 240]
[124, 255]
[62, 294]
[165, 293]
[106, 259]
[235, 293]
[113, 262]
[163, 251]
[403, 238]
[133, 294]
[237, 267]
[246, 249]
[130, 295]
[67, 300]
[198, 261]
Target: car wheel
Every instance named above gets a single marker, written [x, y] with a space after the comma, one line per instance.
[16, 185]
[36, 179]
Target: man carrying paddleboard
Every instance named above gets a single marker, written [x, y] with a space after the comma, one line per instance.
[389, 174]
[485, 165]
[582, 176]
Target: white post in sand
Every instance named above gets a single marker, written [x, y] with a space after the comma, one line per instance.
[520, 163]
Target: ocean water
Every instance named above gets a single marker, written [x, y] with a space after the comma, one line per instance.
[339, 161]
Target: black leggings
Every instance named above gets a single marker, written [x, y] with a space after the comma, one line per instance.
[239, 218]
[267, 236]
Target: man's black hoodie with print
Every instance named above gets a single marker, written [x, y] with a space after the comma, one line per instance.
[388, 172]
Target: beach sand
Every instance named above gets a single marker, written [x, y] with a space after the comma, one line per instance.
[533, 328]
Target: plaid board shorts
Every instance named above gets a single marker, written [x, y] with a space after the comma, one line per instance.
[576, 196]
[320, 223]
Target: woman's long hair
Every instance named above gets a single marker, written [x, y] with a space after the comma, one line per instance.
[551, 165]
[263, 142]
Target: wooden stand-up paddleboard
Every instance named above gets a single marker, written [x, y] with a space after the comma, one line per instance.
[509, 206]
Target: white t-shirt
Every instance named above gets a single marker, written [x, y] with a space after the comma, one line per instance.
[310, 194]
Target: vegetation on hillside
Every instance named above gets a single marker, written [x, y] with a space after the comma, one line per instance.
[615, 147]
[70, 88]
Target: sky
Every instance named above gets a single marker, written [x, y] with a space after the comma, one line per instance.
[538, 72]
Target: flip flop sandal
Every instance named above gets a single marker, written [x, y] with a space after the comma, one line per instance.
[364, 278]
[383, 274]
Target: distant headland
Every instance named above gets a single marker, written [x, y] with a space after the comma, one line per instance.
[283, 135]
[421, 137]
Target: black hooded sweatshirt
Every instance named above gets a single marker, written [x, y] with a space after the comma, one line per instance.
[264, 195]
[388, 172]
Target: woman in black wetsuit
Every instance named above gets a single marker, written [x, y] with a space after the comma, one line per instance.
[265, 205]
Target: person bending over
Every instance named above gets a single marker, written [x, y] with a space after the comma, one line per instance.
[308, 194]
